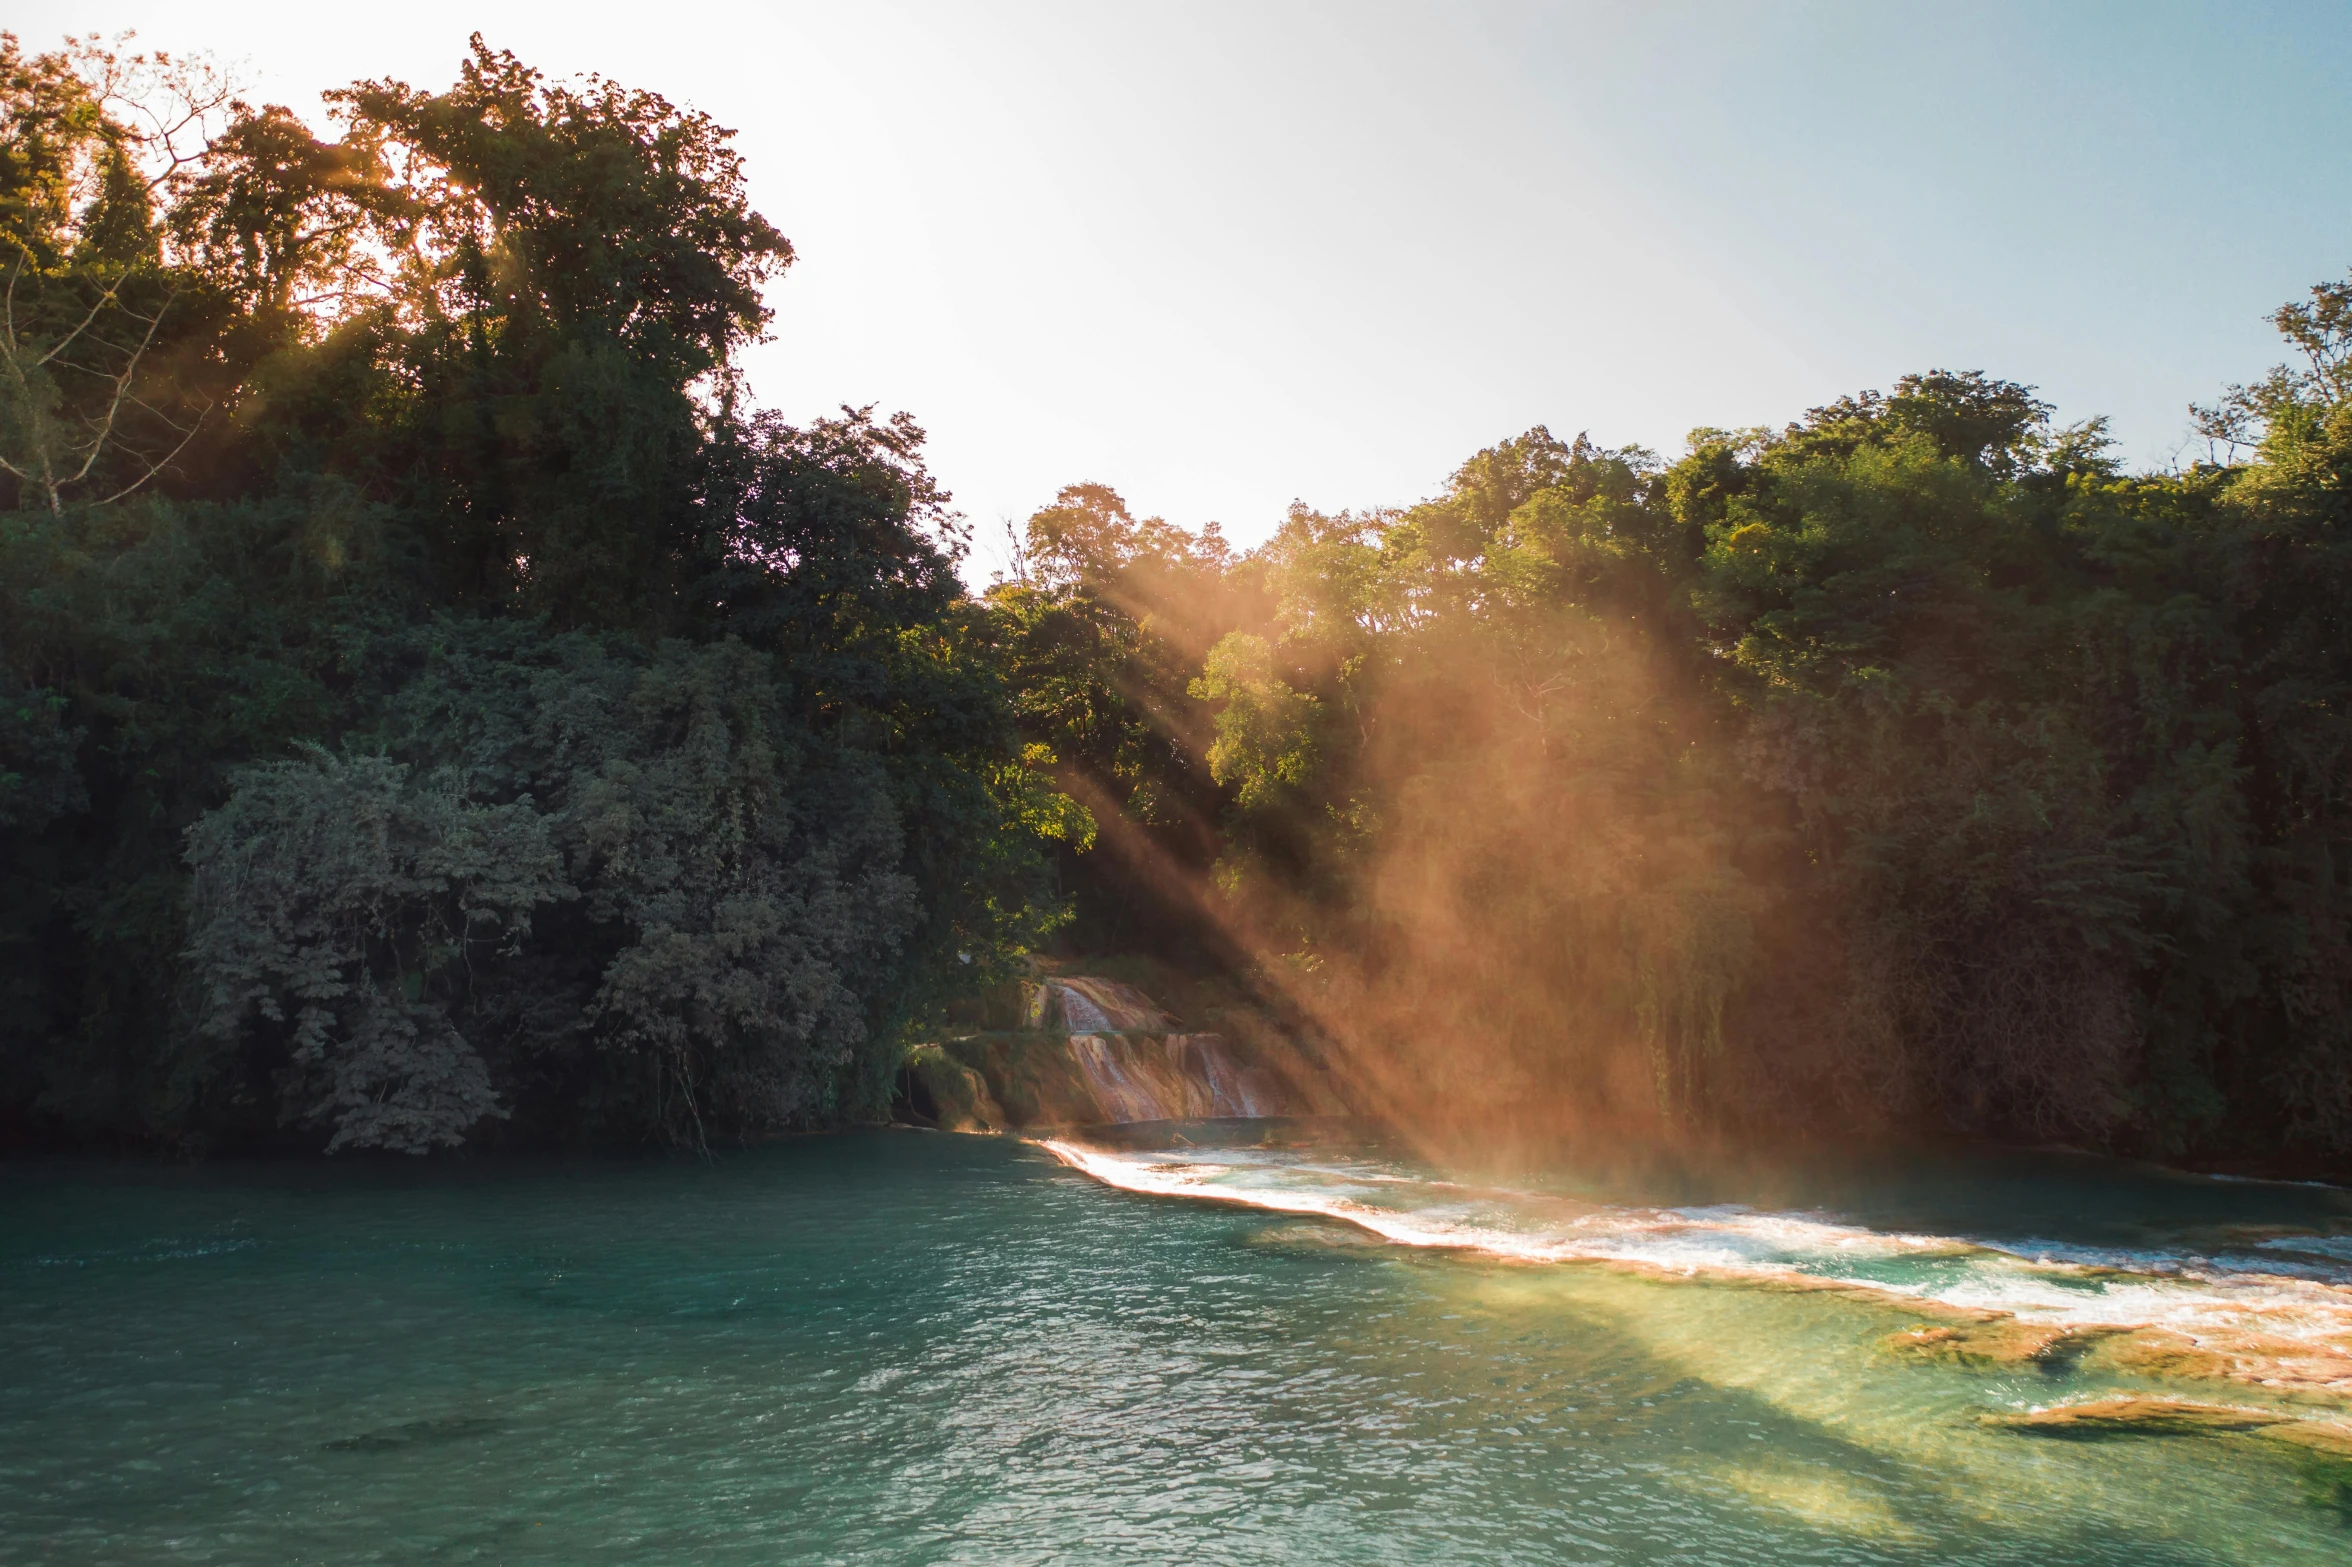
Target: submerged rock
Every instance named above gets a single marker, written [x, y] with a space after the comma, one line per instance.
[1996, 1344]
[2138, 1415]
[2233, 1345]
[2320, 1450]
[2330, 1438]
[1314, 1236]
[949, 1094]
[418, 1433]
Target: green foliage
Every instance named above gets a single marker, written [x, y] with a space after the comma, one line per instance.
[435, 707]
[88, 317]
[1265, 741]
[721, 901]
[654, 776]
[739, 880]
[38, 780]
[1911, 764]
[338, 900]
[1098, 634]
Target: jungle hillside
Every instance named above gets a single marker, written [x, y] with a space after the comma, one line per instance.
[440, 708]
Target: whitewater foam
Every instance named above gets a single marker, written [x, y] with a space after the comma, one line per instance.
[2273, 1319]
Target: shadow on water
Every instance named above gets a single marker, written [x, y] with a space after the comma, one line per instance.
[1533, 1373]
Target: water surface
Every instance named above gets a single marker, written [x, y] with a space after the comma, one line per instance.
[899, 1347]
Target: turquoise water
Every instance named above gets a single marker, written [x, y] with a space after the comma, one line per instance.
[898, 1347]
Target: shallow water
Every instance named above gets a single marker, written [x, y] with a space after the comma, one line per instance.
[905, 1347]
[2259, 1271]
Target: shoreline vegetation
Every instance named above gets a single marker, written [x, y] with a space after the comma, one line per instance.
[439, 709]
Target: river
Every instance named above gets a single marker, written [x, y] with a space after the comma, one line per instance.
[915, 1347]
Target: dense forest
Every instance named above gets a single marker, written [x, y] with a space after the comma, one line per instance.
[438, 706]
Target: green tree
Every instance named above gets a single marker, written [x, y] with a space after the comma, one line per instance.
[478, 523]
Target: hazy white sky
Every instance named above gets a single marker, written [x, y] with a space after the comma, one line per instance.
[1221, 256]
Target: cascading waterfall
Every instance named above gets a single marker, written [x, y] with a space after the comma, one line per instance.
[1080, 1014]
[1123, 1095]
[1172, 1077]
[1139, 1071]
[1234, 1089]
[1094, 1051]
[1085, 1005]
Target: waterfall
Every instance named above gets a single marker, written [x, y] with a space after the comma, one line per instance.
[1080, 1014]
[1085, 1005]
[1170, 1077]
[1235, 1088]
[1092, 1051]
[1123, 1093]
[1135, 1068]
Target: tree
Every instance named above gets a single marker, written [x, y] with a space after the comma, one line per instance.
[84, 416]
[343, 904]
[480, 524]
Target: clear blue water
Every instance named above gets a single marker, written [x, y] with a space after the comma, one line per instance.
[897, 1347]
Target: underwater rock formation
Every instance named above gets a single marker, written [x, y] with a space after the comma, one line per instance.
[2322, 1446]
[2136, 1415]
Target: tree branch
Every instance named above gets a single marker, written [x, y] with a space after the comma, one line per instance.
[122, 388]
[158, 466]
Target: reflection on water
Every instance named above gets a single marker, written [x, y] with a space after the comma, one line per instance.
[903, 1347]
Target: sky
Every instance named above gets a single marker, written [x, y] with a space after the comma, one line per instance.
[1222, 257]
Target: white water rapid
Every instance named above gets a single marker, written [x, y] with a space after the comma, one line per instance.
[2274, 1311]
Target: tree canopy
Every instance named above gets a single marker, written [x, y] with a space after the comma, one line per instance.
[434, 704]
[1911, 766]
